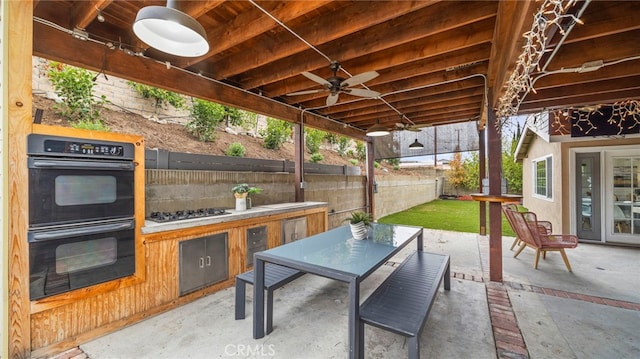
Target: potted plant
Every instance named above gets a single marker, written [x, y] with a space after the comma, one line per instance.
[241, 192]
[359, 223]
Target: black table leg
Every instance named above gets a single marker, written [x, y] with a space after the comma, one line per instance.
[258, 298]
[354, 317]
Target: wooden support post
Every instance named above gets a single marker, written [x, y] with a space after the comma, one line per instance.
[298, 140]
[494, 145]
[17, 43]
[482, 174]
[370, 179]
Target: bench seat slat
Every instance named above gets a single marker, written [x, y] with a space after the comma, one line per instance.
[402, 302]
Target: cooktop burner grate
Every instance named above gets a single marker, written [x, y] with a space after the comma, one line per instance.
[186, 214]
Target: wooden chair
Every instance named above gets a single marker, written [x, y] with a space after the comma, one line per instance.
[534, 234]
[514, 207]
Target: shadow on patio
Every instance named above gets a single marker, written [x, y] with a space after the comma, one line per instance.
[593, 312]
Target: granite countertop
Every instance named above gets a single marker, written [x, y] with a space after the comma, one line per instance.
[257, 211]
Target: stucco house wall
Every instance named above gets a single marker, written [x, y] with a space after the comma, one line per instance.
[548, 209]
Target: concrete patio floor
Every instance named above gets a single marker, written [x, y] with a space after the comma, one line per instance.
[592, 312]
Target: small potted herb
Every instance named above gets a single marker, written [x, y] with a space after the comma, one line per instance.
[359, 223]
[241, 192]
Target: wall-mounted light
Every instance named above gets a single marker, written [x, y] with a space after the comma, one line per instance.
[377, 130]
[171, 31]
[416, 145]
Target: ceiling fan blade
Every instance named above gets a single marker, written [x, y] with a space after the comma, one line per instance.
[332, 99]
[316, 78]
[362, 92]
[306, 92]
[360, 78]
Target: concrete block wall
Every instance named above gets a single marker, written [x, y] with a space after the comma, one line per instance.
[397, 193]
[171, 190]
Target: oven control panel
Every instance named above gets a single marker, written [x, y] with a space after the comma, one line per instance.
[78, 147]
[84, 148]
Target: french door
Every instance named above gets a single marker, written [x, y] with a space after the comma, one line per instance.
[588, 205]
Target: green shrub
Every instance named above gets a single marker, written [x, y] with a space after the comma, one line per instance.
[351, 154]
[74, 86]
[94, 125]
[353, 162]
[395, 162]
[361, 150]
[332, 138]
[316, 157]
[235, 149]
[376, 164]
[313, 139]
[276, 133]
[159, 96]
[205, 116]
[343, 144]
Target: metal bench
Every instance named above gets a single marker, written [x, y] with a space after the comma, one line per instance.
[275, 276]
[402, 302]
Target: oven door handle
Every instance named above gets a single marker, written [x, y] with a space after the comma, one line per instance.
[104, 165]
[40, 236]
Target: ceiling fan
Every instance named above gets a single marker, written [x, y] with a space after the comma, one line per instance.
[403, 126]
[336, 85]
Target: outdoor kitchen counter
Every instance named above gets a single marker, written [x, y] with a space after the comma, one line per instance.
[257, 211]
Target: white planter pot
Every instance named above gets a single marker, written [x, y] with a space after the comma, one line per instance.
[358, 230]
[241, 204]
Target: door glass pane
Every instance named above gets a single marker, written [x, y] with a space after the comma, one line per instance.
[586, 191]
[626, 215]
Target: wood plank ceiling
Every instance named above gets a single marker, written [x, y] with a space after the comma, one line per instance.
[432, 56]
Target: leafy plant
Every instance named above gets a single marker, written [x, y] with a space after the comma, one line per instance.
[159, 96]
[313, 139]
[395, 162]
[361, 150]
[316, 157]
[235, 149]
[276, 133]
[353, 162]
[376, 164]
[245, 188]
[359, 216]
[343, 144]
[205, 116]
[74, 86]
[94, 125]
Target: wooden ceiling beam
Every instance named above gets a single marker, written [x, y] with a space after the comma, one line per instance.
[358, 16]
[573, 90]
[412, 113]
[441, 93]
[512, 20]
[396, 48]
[580, 100]
[253, 23]
[84, 12]
[610, 48]
[195, 9]
[417, 101]
[620, 70]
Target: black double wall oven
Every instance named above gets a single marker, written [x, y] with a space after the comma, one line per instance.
[81, 213]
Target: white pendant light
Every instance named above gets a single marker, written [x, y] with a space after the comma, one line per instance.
[416, 145]
[170, 31]
[377, 130]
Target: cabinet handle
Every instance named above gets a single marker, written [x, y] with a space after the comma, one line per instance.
[208, 261]
[201, 262]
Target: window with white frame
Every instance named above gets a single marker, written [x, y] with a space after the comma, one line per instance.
[542, 176]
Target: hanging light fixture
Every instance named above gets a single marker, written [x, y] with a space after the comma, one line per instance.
[171, 31]
[416, 145]
[377, 130]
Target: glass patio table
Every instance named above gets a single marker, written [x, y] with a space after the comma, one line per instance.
[336, 255]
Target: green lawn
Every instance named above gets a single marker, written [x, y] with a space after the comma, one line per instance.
[450, 215]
